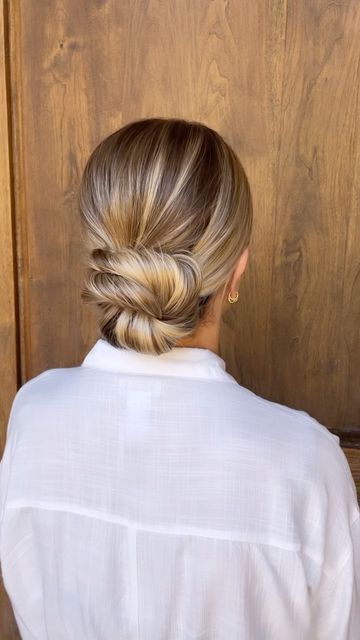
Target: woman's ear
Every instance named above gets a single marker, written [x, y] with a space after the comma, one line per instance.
[239, 270]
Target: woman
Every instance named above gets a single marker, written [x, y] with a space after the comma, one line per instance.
[145, 494]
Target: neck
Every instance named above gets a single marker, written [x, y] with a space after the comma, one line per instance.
[207, 335]
[208, 338]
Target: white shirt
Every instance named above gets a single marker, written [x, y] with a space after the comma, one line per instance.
[150, 497]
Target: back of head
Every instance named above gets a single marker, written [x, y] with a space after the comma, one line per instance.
[167, 210]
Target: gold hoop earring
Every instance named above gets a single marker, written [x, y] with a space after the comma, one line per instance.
[233, 299]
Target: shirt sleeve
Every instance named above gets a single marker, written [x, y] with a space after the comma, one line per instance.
[4, 474]
[17, 421]
[5, 463]
[336, 608]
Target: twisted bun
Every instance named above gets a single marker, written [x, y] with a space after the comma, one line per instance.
[149, 299]
[167, 211]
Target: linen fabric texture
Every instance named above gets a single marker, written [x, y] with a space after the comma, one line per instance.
[152, 497]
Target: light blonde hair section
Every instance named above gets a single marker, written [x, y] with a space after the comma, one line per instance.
[167, 211]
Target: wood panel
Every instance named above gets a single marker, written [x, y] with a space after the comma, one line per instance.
[8, 333]
[314, 322]
[8, 303]
[280, 80]
[51, 118]
[296, 334]
[353, 458]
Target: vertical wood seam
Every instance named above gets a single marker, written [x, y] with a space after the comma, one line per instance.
[11, 189]
[18, 158]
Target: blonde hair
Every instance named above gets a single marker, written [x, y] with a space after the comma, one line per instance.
[167, 211]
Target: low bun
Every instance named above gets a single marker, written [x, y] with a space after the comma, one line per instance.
[149, 299]
[167, 211]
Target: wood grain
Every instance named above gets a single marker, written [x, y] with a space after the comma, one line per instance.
[8, 627]
[353, 458]
[280, 81]
[313, 326]
[8, 286]
[8, 313]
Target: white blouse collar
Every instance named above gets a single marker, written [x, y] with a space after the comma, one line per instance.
[192, 362]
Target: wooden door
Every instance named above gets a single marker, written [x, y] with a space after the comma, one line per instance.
[280, 80]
